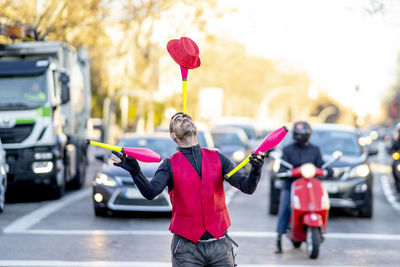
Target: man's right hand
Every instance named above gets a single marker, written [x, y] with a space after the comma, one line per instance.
[126, 162]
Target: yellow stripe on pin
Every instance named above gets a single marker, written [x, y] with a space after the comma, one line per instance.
[184, 93]
[115, 148]
[238, 167]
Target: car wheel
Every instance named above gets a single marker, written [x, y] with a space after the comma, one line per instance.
[3, 187]
[367, 209]
[396, 174]
[273, 199]
[100, 212]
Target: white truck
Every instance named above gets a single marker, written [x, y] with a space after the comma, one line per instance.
[45, 103]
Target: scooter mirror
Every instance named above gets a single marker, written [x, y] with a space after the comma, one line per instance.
[275, 154]
[337, 154]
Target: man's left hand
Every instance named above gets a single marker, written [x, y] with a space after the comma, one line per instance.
[257, 160]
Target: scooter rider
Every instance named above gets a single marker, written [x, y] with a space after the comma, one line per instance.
[194, 177]
[297, 153]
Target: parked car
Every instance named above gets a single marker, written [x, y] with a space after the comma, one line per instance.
[246, 124]
[3, 177]
[113, 187]
[233, 143]
[351, 185]
[203, 135]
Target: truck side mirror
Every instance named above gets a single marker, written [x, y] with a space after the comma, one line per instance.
[65, 96]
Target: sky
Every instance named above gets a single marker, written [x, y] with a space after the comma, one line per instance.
[339, 44]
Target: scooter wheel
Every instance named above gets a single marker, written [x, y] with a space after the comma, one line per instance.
[296, 244]
[313, 241]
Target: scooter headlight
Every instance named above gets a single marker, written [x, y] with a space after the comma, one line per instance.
[276, 165]
[238, 156]
[396, 155]
[308, 170]
[359, 171]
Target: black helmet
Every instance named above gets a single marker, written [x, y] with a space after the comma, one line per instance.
[301, 132]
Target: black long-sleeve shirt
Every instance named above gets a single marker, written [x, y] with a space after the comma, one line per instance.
[164, 176]
[297, 155]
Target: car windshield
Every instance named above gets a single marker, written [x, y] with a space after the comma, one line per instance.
[226, 139]
[205, 139]
[163, 146]
[22, 92]
[249, 130]
[331, 141]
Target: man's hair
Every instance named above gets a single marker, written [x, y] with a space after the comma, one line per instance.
[171, 128]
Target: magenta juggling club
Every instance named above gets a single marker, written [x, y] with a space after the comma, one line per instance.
[139, 153]
[269, 142]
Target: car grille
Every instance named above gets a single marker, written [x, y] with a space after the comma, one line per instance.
[16, 134]
[122, 200]
[339, 172]
[335, 195]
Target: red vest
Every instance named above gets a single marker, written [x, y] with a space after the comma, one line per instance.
[198, 204]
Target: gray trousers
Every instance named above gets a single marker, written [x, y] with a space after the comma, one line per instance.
[218, 253]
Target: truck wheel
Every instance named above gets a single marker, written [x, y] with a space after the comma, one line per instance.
[81, 163]
[313, 241]
[3, 188]
[59, 190]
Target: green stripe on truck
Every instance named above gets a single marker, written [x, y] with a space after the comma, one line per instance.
[43, 112]
[25, 121]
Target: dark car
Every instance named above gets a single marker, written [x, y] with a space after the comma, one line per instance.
[233, 143]
[3, 177]
[113, 187]
[203, 135]
[351, 185]
[246, 124]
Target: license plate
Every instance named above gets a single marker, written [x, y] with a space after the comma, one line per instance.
[132, 193]
[331, 187]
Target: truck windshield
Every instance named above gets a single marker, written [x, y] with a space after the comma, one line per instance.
[22, 92]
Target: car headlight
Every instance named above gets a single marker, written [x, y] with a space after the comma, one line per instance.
[238, 156]
[359, 171]
[104, 179]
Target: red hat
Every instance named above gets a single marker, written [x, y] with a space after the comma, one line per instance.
[185, 52]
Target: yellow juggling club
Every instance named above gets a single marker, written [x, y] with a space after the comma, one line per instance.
[270, 141]
[139, 153]
[184, 72]
[185, 52]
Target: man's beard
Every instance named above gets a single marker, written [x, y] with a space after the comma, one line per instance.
[186, 129]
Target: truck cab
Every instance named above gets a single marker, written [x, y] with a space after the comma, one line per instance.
[44, 107]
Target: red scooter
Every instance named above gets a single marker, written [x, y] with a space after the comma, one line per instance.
[309, 205]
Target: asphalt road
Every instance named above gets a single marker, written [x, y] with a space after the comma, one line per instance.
[65, 232]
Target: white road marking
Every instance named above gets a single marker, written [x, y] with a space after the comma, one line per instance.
[22, 224]
[389, 194]
[26, 263]
[36, 216]
[352, 236]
